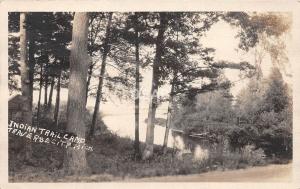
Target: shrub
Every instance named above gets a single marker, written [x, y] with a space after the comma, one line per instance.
[252, 156]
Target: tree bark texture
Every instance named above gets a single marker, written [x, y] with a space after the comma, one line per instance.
[75, 162]
[25, 85]
[148, 151]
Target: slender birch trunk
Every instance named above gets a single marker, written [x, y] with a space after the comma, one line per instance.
[51, 93]
[148, 151]
[169, 118]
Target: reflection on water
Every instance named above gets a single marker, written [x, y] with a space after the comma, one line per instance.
[118, 116]
[123, 125]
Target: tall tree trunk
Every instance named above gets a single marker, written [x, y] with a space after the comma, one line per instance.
[148, 151]
[101, 77]
[75, 161]
[170, 108]
[46, 88]
[25, 85]
[40, 94]
[57, 101]
[51, 93]
[31, 59]
[137, 92]
[31, 50]
[169, 118]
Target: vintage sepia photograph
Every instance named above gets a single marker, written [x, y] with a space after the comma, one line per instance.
[150, 96]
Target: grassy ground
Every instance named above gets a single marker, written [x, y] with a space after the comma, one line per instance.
[113, 159]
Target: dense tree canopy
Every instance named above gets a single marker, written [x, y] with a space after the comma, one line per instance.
[98, 55]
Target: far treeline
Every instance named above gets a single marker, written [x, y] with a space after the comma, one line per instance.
[67, 50]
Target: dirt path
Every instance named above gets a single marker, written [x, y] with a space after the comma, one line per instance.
[270, 173]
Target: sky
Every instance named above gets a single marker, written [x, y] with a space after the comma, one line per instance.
[222, 38]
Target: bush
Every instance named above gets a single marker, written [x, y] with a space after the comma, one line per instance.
[225, 158]
[240, 136]
[252, 156]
